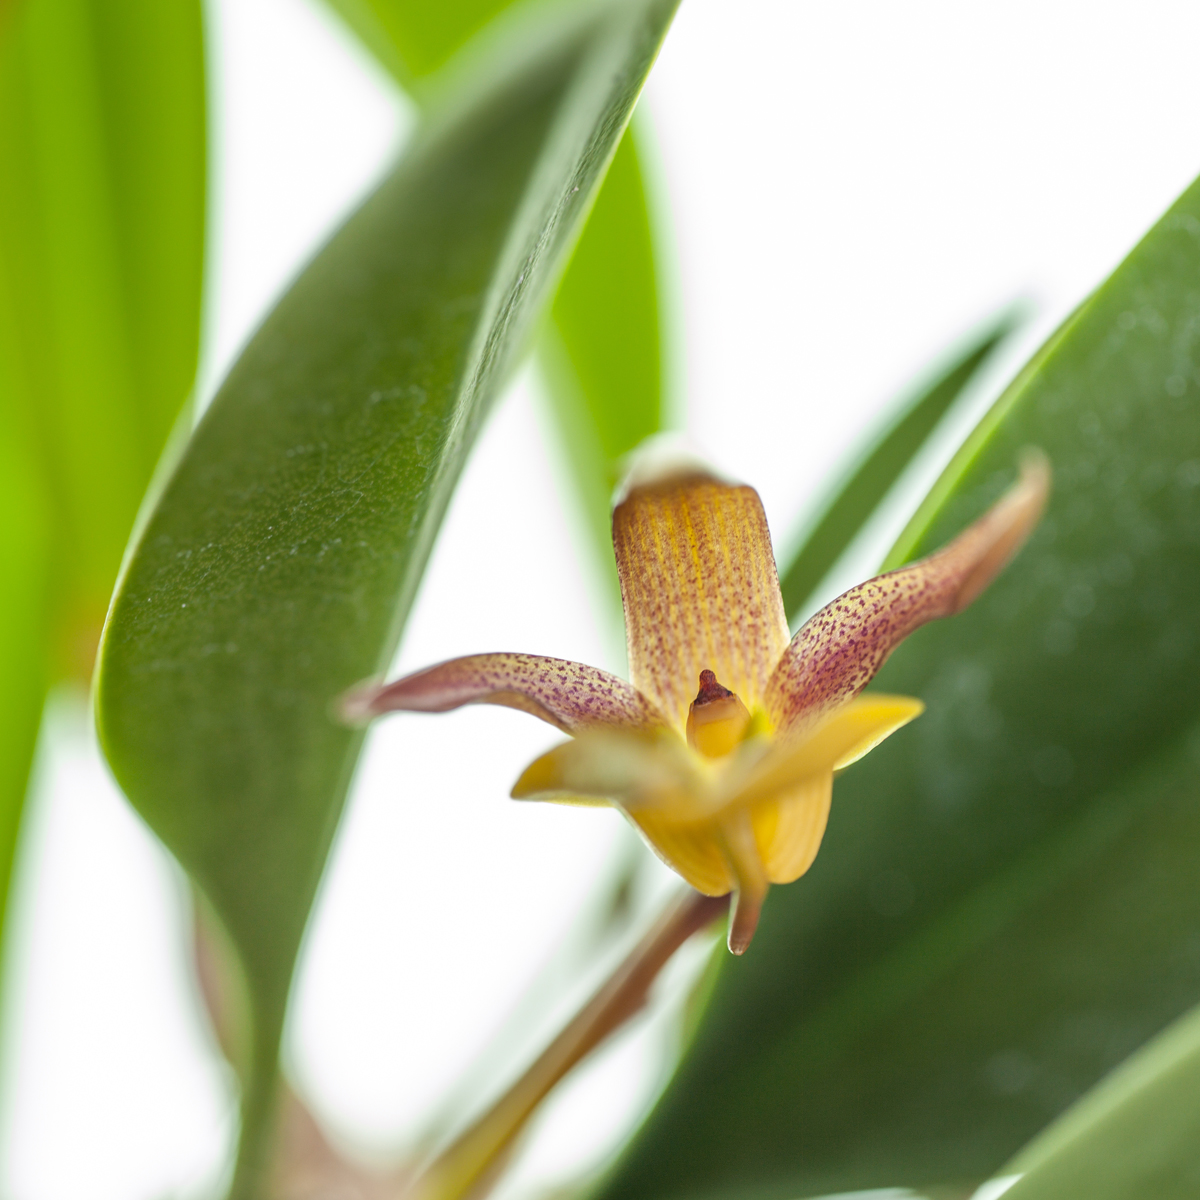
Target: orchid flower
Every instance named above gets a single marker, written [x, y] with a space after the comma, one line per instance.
[723, 748]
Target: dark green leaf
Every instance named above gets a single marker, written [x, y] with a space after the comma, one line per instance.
[601, 353]
[282, 557]
[856, 498]
[1136, 1136]
[1005, 904]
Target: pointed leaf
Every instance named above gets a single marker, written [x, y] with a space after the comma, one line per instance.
[281, 559]
[1004, 906]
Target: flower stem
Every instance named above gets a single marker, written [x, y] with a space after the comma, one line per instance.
[471, 1163]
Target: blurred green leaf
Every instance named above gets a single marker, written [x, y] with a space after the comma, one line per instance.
[601, 354]
[282, 557]
[1005, 905]
[413, 38]
[102, 153]
[856, 498]
[24, 625]
[102, 163]
[1136, 1136]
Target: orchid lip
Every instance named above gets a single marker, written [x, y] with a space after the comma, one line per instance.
[717, 719]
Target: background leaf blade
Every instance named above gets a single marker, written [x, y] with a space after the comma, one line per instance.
[24, 632]
[415, 40]
[102, 146]
[1133, 1137]
[102, 210]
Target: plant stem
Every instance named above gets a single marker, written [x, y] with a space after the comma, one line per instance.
[470, 1164]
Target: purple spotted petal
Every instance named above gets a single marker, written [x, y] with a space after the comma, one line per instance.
[568, 695]
[836, 654]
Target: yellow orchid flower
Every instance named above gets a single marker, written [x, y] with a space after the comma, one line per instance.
[723, 748]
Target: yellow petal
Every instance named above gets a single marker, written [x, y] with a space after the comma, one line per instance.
[868, 719]
[740, 846]
[840, 739]
[692, 851]
[700, 590]
[836, 654]
[789, 828]
[633, 769]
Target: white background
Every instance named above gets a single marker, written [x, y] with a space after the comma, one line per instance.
[851, 189]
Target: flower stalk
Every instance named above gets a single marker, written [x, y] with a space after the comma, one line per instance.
[469, 1165]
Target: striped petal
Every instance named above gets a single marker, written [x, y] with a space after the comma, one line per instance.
[837, 653]
[700, 590]
[570, 696]
[789, 828]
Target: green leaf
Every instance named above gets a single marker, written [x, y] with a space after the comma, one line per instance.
[102, 158]
[282, 557]
[856, 499]
[24, 627]
[1004, 907]
[413, 38]
[601, 354]
[1136, 1136]
[102, 153]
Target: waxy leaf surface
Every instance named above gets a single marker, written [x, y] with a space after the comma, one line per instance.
[280, 561]
[1004, 907]
[601, 352]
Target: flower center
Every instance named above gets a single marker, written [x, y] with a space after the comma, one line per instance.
[717, 719]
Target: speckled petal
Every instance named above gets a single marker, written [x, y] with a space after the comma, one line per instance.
[837, 653]
[568, 695]
[700, 590]
[790, 827]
